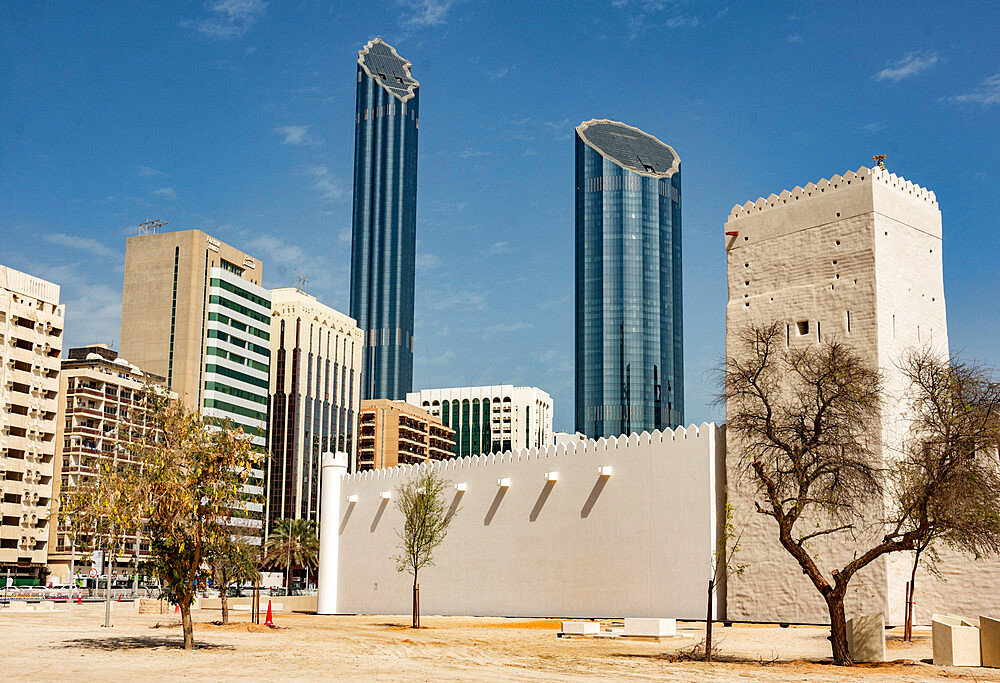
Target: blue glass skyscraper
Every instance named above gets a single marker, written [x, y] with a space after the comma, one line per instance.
[384, 238]
[629, 342]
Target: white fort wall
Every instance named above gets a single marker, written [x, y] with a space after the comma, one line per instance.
[638, 542]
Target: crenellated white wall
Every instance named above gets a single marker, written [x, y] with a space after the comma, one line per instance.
[636, 543]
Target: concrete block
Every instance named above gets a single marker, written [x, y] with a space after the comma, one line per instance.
[583, 628]
[866, 638]
[642, 626]
[956, 641]
[46, 606]
[989, 641]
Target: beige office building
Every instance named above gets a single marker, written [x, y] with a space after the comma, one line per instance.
[102, 415]
[31, 326]
[315, 396]
[397, 433]
[193, 311]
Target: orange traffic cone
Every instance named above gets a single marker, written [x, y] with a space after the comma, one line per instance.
[79, 599]
[177, 609]
[119, 597]
[268, 621]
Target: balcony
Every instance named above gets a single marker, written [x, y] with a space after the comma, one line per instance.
[86, 391]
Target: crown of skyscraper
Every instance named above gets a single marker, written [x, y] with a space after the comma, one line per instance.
[629, 147]
[381, 61]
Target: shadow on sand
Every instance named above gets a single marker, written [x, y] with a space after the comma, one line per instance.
[114, 644]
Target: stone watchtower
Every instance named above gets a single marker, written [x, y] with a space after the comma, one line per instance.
[856, 257]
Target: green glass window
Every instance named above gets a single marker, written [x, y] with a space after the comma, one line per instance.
[476, 430]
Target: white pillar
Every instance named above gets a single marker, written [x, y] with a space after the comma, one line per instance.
[334, 468]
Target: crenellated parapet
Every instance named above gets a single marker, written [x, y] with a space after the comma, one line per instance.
[837, 183]
[600, 446]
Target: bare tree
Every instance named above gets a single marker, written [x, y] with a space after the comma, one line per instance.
[425, 524]
[808, 425]
[949, 471]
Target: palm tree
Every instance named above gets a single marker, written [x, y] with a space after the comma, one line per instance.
[292, 541]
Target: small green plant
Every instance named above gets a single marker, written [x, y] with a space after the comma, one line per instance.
[425, 525]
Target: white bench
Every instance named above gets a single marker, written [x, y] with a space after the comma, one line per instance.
[650, 627]
[955, 641]
[581, 628]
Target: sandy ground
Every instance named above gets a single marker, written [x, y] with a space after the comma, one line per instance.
[71, 644]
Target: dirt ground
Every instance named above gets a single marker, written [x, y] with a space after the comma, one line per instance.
[71, 644]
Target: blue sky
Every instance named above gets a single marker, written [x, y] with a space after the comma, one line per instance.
[237, 117]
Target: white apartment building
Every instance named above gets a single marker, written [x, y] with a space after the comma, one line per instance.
[103, 412]
[490, 419]
[31, 327]
[315, 398]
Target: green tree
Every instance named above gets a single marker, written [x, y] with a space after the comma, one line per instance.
[183, 481]
[425, 525]
[232, 562]
[292, 543]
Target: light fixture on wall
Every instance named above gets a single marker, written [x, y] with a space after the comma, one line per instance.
[461, 487]
[352, 498]
[551, 476]
[385, 495]
[503, 483]
[604, 471]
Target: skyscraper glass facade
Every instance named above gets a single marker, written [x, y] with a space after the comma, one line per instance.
[385, 212]
[629, 342]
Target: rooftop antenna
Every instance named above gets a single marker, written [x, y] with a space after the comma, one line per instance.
[302, 280]
[879, 160]
[150, 226]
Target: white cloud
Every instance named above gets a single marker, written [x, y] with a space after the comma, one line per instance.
[228, 19]
[987, 92]
[465, 299]
[498, 248]
[794, 38]
[166, 192]
[910, 65]
[683, 21]
[427, 261]
[86, 244]
[497, 74]
[329, 188]
[297, 135]
[874, 127]
[147, 171]
[470, 153]
[345, 236]
[284, 261]
[503, 328]
[530, 152]
[445, 357]
[93, 310]
[425, 12]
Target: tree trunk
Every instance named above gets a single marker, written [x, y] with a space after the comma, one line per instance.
[288, 574]
[224, 596]
[416, 602]
[908, 627]
[708, 622]
[838, 628]
[185, 605]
